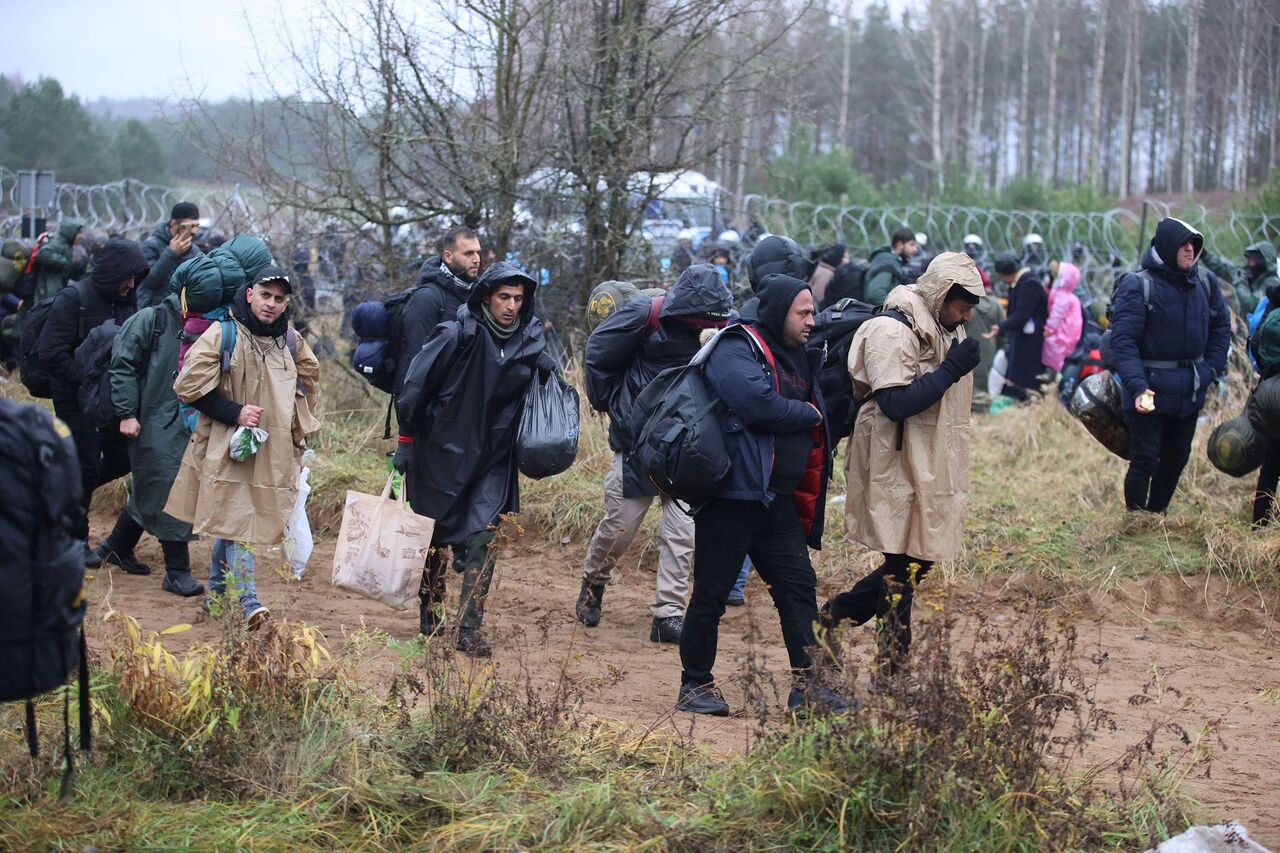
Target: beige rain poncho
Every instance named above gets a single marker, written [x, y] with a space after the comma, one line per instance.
[911, 501]
[246, 501]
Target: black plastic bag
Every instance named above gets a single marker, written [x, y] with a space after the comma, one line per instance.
[1235, 448]
[1263, 407]
[547, 442]
[1096, 402]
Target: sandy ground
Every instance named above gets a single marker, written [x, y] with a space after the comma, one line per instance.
[1206, 652]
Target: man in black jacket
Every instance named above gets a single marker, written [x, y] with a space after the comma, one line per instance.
[106, 295]
[771, 506]
[444, 283]
[1023, 328]
[169, 245]
[459, 410]
[624, 354]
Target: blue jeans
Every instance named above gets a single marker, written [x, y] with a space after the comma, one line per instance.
[237, 558]
[740, 586]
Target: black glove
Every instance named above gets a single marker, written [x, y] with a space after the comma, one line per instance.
[963, 358]
[403, 457]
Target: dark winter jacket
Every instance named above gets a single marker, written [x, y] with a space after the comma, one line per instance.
[70, 321]
[1187, 328]
[52, 265]
[1250, 283]
[460, 403]
[144, 362]
[1028, 303]
[163, 261]
[437, 299]
[621, 360]
[756, 413]
[885, 271]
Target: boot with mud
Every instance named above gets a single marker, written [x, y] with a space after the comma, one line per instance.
[431, 595]
[472, 644]
[588, 607]
[177, 570]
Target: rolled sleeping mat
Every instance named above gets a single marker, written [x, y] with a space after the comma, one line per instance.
[1235, 448]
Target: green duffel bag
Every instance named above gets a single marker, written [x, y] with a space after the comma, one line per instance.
[607, 297]
[1263, 407]
[1235, 448]
[1096, 403]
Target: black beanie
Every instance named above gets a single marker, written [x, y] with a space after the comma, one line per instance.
[775, 254]
[834, 256]
[184, 210]
[1006, 263]
[119, 259]
[959, 291]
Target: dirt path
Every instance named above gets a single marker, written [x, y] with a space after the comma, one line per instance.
[1207, 651]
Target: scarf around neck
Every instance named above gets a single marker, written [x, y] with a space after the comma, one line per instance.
[500, 331]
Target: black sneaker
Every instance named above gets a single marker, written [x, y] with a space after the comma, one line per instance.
[816, 699]
[92, 560]
[472, 644]
[128, 562]
[702, 699]
[666, 629]
[737, 599]
[181, 584]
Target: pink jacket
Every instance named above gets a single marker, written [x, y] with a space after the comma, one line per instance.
[1063, 328]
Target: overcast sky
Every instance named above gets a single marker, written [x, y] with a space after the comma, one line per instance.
[139, 48]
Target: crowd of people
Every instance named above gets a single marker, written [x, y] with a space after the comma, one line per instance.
[211, 393]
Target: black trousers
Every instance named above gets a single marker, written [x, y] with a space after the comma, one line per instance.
[725, 533]
[886, 593]
[103, 458]
[1264, 496]
[1159, 447]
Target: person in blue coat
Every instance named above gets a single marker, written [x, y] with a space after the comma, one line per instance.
[1169, 348]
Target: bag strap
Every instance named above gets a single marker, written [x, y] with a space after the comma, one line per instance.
[652, 320]
[228, 344]
[764, 350]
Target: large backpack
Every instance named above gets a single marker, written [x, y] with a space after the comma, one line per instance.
[35, 376]
[93, 363]
[42, 604]
[377, 324]
[1108, 358]
[833, 331]
[680, 447]
[849, 282]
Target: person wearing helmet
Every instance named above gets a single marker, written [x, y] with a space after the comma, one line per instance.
[918, 264]
[1033, 255]
[975, 249]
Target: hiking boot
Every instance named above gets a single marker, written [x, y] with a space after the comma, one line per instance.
[128, 562]
[589, 600]
[666, 629]
[92, 560]
[702, 699]
[181, 583]
[812, 699]
[255, 614]
[430, 622]
[472, 644]
[736, 599]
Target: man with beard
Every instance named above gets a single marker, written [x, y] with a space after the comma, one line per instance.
[888, 265]
[459, 411]
[443, 285]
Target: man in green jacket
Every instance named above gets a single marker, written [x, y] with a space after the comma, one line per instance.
[887, 266]
[53, 262]
[1252, 280]
[144, 359]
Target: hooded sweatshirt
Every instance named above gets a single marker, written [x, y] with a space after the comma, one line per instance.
[794, 374]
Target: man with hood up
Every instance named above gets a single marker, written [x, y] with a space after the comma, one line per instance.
[1251, 282]
[773, 255]
[52, 264]
[771, 506]
[907, 460]
[1170, 336]
[170, 244]
[459, 412]
[624, 354]
[105, 296]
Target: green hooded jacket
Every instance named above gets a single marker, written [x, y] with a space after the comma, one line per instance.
[885, 271]
[53, 262]
[143, 364]
[1249, 289]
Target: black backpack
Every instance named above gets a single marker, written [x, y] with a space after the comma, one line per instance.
[679, 446]
[35, 376]
[42, 604]
[377, 324]
[833, 331]
[93, 362]
[849, 282]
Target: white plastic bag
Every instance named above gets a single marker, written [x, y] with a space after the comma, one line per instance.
[298, 541]
[245, 442]
[381, 548]
[995, 379]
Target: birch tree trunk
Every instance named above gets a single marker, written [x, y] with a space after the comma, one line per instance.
[1049, 148]
[980, 79]
[1132, 12]
[1168, 149]
[1244, 86]
[1024, 100]
[1189, 98]
[1095, 123]
[937, 16]
[842, 133]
